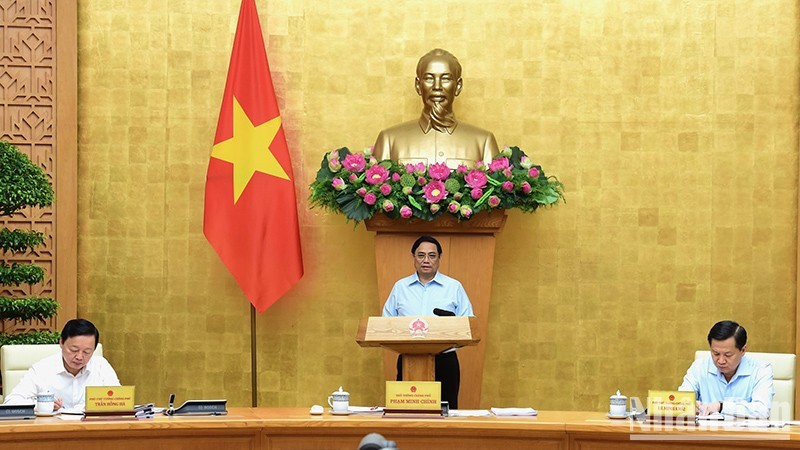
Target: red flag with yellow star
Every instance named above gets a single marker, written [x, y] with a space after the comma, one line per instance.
[250, 208]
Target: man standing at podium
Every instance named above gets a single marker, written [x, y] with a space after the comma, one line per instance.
[427, 292]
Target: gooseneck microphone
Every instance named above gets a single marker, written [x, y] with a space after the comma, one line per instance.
[171, 406]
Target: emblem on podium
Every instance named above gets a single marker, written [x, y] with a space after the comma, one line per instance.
[418, 328]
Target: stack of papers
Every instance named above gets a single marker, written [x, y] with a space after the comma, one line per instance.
[752, 423]
[469, 413]
[514, 412]
[365, 410]
[712, 416]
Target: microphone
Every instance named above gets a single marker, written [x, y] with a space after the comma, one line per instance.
[171, 409]
[375, 441]
[443, 312]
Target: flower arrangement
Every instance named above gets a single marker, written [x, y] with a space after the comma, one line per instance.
[358, 186]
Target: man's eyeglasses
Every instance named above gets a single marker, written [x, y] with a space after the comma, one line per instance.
[430, 256]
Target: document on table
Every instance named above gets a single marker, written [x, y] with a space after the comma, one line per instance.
[470, 413]
[70, 417]
[752, 423]
[514, 412]
[712, 416]
[365, 409]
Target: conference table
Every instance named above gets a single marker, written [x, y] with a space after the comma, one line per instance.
[296, 429]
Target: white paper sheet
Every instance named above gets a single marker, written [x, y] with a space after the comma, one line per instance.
[470, 413]
[514, 411]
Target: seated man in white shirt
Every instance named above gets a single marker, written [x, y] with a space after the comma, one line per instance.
[67, 374]
[727, 381]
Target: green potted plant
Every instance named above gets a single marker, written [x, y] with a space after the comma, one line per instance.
[22, 184]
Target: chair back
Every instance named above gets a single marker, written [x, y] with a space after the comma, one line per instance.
[15, 360]
[783, 368]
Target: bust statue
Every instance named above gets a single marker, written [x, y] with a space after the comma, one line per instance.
[437, 136]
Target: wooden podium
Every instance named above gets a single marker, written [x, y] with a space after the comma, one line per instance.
[467, 255]
[418, 339]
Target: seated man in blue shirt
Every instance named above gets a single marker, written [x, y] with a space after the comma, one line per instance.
[425, 293]
[727, 381]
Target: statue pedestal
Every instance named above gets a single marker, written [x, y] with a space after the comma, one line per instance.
[467, 255]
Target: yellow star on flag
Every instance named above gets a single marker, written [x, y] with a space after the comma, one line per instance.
[248, 150]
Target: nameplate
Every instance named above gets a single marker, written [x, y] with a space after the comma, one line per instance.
[201, 408]
[16, 412]
[671, 405]
[109, 399]
[413, 395]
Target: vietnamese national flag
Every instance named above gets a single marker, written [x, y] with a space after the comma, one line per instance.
[250, 208]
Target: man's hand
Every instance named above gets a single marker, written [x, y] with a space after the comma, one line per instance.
[708, 408]
[57, 404]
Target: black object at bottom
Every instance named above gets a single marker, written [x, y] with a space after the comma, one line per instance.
[16, 412]
[201, 408]
[448, 372]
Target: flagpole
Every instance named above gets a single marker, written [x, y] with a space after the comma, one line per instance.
[253, 357]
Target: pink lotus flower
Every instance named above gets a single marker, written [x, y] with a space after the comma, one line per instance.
[377, 174]
[462, 169]
[372, 161]
[353, 177]
[453, 207]
[416, 169]
[368, 150]
[407, 190]
[507, 172]
[361, 191]
[525, 162]
[438, 171]
[388, 205]
[405, 212]
[435, 208]
[333, 155]
[476, 193]
[507, 186]
[421, 181]
[480, 166]
[526, 187]
[434, 191]
[533, 173]
[334, 165]
[370, 199]
[395, 177]
[386, 189]
[476, 179]
[338, 184]
[494, 201]
[498, 164]
[355, 163]
[465, 211]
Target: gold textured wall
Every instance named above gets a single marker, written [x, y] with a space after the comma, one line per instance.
[673, 125]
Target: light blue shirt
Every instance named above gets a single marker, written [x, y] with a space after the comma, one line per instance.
[409, 297]
[748, 394]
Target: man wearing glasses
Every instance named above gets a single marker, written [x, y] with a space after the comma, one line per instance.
[427, 292]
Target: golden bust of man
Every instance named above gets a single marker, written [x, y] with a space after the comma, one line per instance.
[437, 136]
